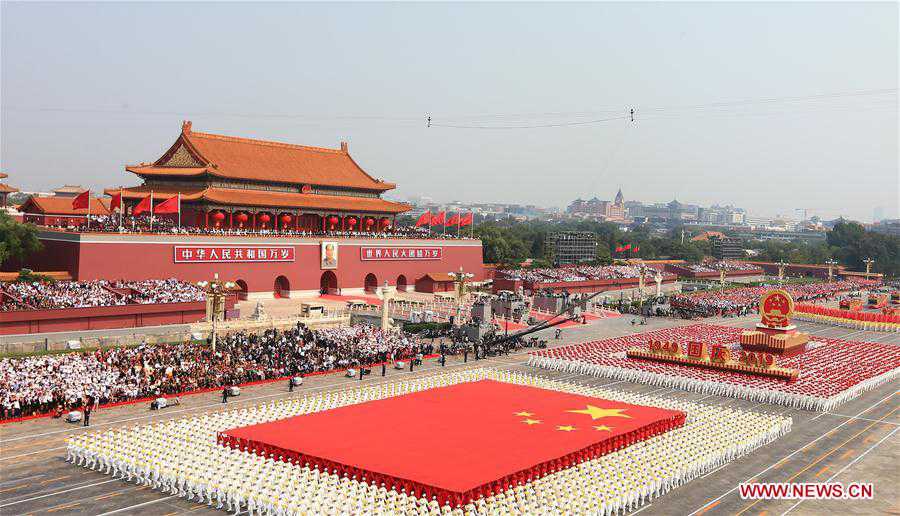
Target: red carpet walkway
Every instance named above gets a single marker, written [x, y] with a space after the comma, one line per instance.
[457, 443]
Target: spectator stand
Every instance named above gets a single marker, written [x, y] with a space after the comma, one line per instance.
[38, 386]
[41, 307]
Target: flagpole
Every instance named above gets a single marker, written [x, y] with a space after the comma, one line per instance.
[179, 210]
[151, 211]
[89, 210]
[121, 206]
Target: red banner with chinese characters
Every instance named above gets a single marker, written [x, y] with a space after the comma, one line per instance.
[233, 254]
[386, 253]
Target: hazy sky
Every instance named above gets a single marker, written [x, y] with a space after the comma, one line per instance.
[769, 106]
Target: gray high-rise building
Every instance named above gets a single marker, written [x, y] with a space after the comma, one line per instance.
[571, 247]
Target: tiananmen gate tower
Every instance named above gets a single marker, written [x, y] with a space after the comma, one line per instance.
[277, 218]
[230, 182]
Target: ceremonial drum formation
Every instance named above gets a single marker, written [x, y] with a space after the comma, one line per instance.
[832, 371]
[605, 451]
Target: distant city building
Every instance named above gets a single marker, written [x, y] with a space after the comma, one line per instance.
[571, 247]
[482, 211]
[770, 233]
[613, 211]
[68, 191]
[878, 214]
[727, 248]
[721, 215]
[707, 235]
[671, 213]
[887, 227]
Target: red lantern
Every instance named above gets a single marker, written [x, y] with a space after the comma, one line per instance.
[369, 222]
[218, 216]
[351, 221]
[285, 219]
[385, 222]
[333, 220]
[241, 217]
[264, 218]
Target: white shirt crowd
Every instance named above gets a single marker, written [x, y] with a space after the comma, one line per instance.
[38, 295]
[40, 384]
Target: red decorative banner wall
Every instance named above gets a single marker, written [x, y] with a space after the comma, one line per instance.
[231, 254]
[386, 253]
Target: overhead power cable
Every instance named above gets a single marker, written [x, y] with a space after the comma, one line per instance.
[534, 126]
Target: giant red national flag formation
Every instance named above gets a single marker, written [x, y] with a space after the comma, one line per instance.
[458, 443]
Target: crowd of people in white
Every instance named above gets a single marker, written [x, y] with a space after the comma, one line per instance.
[182, 457]
[573, 273]
[42, 295]
[741, 301]
[169, 225]
[42, 384]
[724, 265]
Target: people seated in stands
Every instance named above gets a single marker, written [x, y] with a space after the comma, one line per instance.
[572, 274]
[39, 384]
[168, 225]
[742, 301]
[38, 295]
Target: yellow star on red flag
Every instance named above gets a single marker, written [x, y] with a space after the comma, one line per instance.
[523, 414]
[602, 428]
[532, 421]
[597, 412]
[566, 428]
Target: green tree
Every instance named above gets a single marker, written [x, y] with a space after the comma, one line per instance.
[17, 241]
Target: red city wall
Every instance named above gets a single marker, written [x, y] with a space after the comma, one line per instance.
[103, 317]
[135, 257]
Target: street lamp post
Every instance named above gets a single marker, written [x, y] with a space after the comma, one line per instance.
[831, 264]
[868, 262]
[781, 266]
[642, 270]
[216, 290]
[460, 278]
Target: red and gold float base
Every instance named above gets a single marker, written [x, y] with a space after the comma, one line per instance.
[784, 342]
[717, 357]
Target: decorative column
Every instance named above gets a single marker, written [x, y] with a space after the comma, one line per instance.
[386, 296]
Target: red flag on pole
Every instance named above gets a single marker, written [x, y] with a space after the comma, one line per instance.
[142, 206]
[438, 220]
[82, 201]
[424, 219]
[466, 219]
[636, 249]
[170, 205]
[454, 220]
[627, 247]
[618, 249]
[116, 202]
